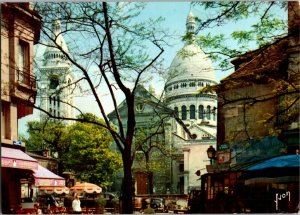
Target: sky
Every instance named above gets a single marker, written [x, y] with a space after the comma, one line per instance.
[175, 14]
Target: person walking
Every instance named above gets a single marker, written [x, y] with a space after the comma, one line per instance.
[76, 204]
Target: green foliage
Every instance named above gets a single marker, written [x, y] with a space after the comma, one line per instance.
[152, 148]
[264, 27]
[82, 148]
[100, 201]
[149, 211]
[46, 135]
[89, 153]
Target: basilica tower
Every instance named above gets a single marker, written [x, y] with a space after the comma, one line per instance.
[56, 88]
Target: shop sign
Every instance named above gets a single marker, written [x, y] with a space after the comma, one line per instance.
[49, 182]
[223, 156]
[18, 143]
[223, 147]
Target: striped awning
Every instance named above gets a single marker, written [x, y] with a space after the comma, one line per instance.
[44, 177]
[15, 158]
[85, 187]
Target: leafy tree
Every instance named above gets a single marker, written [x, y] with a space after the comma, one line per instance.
[273, 63]
[151, 147]
[264, 27]
[47, 135]
[83, 148]
[89, 153]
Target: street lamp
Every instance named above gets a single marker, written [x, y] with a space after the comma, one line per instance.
[211, 153]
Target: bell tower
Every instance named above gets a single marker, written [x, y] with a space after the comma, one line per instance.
[56, 88]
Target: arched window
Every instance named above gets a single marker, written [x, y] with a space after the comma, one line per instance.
[214, 112]
[192, 112]
[201, 112]
[183, 112]
[208, 112]
[176, 111]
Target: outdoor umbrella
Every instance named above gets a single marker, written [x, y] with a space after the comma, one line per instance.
[85, 187]
[281, 169]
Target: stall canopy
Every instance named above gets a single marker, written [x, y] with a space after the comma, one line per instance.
[282, 169]
[15, 158]
[44, 177]
[85, 187]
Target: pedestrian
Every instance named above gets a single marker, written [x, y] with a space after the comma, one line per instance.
[76, 204]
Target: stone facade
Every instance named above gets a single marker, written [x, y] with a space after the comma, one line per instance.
[190, 72]
[56, 85]
[20, 31]
[254, 101]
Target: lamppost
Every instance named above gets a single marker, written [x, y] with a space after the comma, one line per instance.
[211, 154]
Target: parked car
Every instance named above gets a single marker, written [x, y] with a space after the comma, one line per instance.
[158, 204]
[181, 206]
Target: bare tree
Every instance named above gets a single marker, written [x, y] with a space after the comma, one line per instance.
[108, 49]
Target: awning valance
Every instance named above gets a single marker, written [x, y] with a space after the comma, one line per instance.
[44, 177]
[15, 158]
[50, 190]
[281, 169]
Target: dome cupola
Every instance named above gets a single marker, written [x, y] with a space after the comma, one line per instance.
[191, 68]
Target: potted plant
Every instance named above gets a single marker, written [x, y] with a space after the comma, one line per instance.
[100, 204]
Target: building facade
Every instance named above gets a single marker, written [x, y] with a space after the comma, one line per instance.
[20, 30]
[258, 120]
[56, 85]
[149, 112]
[191, 70]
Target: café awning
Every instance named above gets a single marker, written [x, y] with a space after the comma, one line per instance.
[44, 177]
[15, 158]
[281, 169]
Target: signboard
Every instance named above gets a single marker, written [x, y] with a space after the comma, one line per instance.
[18, 143]
[19, 164]
[49, 182]
[224, 156]
[223, 147]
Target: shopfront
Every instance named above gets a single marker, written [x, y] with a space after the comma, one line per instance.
[17, 177]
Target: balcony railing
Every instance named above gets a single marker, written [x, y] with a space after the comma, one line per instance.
[26, 79]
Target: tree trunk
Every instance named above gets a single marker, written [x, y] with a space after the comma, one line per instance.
[127, 188]
[150, 182]
[149, 174]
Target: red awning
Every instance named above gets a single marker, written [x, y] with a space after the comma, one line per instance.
[15, 158]
[44, 177]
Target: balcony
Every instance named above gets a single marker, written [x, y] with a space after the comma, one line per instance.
[26, 80]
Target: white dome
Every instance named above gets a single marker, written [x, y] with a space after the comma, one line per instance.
[191, 63]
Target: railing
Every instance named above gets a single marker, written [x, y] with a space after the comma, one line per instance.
[25, 78]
